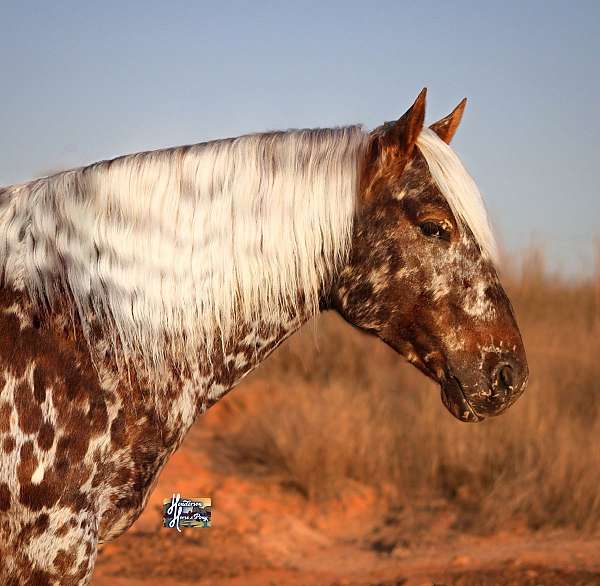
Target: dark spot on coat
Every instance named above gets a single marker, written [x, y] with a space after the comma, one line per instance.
[75, 499]
[44, 494]
[62, 530]
[63, 561]
[117, 430]
[76, 431]
[29, 412]
[42, 522]
[361, 294]
[9, 334]
[40, 384]
[4, 496]
[27, 462]
[5, 411]
[39, 578]
[45, 437]
[97, 415]
[8, 445]
[34, 528]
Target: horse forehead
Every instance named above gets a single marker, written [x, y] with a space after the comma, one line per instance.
[419, 191]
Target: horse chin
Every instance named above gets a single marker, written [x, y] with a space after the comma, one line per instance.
[453, 398]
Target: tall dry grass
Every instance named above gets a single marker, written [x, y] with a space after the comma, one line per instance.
[337, 406]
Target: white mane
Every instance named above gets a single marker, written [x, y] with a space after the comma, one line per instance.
[170, 249]
[459, 189]
[179, 245]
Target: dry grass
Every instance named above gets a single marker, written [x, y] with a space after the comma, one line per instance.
[339, 406]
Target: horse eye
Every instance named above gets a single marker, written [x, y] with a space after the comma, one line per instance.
[434, 230]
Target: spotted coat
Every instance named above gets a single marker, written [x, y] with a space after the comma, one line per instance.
[82, 446]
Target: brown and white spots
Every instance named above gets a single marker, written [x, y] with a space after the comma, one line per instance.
[476, 301]
[439, 286]
[405, 273]
[379, 278]
[239, 361]
[25, 318]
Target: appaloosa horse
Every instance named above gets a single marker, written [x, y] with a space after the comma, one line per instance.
[136, 292]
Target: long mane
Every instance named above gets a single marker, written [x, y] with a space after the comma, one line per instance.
[181, 244]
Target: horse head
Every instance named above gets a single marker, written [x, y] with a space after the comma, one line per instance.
[421, 272]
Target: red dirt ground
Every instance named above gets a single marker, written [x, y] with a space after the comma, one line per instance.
[265, 533]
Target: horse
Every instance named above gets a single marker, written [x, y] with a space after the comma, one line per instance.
[136, 292]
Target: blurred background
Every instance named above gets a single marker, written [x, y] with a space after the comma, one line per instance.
[335, 463]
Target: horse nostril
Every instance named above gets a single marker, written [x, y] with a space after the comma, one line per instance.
[504, 377]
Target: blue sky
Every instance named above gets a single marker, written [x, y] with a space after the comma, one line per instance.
[82, 81]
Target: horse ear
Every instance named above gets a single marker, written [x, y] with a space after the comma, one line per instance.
[446, 127]
[402, 134]
[391, 145]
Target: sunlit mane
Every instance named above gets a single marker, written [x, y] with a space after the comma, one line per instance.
[458, 188]
[173, 248]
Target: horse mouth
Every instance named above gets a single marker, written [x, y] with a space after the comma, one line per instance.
[454, 399]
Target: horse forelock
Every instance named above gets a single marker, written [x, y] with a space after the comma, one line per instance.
[459, 190]
[170, 250]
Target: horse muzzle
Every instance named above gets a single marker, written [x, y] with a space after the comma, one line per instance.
[489, 393]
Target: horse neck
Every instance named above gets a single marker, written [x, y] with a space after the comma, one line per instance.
[53, 344]
[177, 396]
[302, 245]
